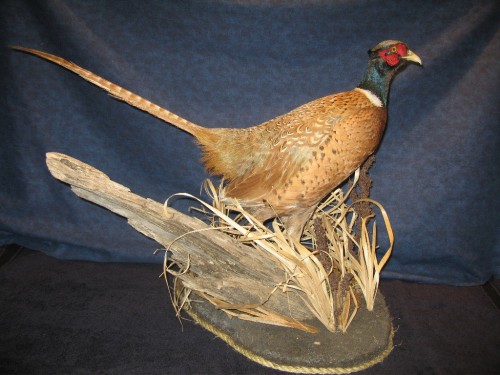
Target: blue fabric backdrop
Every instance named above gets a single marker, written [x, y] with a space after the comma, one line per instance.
[236, 64]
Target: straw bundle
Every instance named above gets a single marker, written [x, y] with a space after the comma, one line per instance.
[328, 275]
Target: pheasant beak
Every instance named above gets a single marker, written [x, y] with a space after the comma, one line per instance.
[413, 57]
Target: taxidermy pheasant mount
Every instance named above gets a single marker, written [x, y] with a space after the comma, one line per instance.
[282, 168]
[287, 165]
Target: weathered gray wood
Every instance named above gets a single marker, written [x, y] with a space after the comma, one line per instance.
[218, 265]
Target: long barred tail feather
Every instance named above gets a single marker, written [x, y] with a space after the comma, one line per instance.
[120, 93]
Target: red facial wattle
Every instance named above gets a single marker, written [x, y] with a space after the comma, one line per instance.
[392, 54]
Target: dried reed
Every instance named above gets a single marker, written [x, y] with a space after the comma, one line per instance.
[338, 262]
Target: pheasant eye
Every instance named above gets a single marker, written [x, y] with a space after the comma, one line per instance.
[390, 55]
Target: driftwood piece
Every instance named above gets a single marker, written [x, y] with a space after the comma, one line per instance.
[216, 263]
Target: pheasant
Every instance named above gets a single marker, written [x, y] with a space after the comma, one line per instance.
[287, 165]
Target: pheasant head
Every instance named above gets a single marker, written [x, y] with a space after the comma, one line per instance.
[386, 59]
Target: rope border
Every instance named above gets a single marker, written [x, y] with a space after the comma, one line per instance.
[289, 368]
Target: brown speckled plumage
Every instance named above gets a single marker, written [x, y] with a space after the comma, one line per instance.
[293, 161]
[287, 165]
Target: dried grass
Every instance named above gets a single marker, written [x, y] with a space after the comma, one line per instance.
[338, 264]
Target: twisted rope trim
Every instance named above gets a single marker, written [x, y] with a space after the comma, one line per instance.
[289, 368]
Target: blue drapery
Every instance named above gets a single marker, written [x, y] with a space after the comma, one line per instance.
[236, 64]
